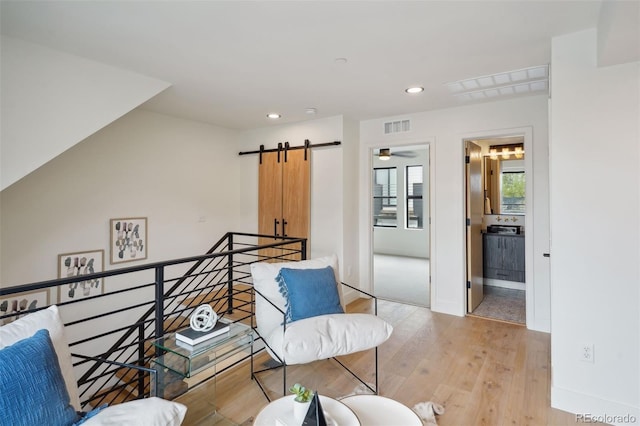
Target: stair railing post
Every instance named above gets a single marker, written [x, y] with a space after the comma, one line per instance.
[159, 332]
[230, 275]
[159, 314]
[303, 247]
[141, 359]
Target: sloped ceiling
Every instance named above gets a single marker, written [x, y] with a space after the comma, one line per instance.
[52, 100]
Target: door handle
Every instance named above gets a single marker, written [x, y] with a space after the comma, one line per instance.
[284, 223]
[275, 227]
[546, 254]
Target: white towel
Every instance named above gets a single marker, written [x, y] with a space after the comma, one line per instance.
[427, 412]
[487, 206]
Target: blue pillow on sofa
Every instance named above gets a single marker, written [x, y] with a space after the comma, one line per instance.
[309, 292]
[33, 390]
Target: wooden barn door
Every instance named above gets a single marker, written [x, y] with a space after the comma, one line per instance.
[284, 198]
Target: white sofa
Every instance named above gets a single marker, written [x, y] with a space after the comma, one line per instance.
[24, 380]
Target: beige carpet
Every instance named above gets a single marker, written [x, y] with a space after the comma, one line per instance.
[401, 279]
[503, 304]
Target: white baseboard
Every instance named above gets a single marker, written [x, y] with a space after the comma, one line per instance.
[589, 409]
[447, 307]
[349, 295]
[504, 284]
[540, 325]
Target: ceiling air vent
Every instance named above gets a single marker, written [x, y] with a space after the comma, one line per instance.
[397, 126]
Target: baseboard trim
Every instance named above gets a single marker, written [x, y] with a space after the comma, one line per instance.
[589, 409]
[513, 285]
[450, 308]
[543, 325]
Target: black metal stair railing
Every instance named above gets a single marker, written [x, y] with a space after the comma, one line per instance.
[144, 302]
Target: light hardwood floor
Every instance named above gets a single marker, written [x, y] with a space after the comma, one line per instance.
[483, 372]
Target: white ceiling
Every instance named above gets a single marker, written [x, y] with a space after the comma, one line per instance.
[232, 62]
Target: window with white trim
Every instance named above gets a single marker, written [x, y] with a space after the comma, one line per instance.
[413, 188]
[385, 197]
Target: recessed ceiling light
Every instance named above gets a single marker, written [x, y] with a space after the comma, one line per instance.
[414, 90]
[310, 110]
[273, 115]
[340, 61]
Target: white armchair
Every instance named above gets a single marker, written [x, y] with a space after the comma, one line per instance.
[39, 386]
[299, 315]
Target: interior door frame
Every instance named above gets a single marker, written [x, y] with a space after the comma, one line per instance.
[368, 152]
[527, 133]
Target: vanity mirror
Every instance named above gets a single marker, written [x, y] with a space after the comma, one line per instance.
[504, 182]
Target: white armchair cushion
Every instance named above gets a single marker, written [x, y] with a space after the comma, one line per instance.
[48, 319]
[142, 412]
[327, 336]
[264, 280]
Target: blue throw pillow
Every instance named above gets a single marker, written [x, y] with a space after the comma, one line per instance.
[309, 292]
[33, 391]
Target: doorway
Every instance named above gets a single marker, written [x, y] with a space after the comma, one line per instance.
[495, 206]
[400, 223]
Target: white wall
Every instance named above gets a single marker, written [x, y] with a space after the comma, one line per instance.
[595, 206]
[350, 188]
[401, 241]
[446, 130]
[174, 172]
[45, 90]
[332, 185]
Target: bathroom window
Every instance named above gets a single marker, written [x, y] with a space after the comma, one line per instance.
[385, 197]
[512, 185]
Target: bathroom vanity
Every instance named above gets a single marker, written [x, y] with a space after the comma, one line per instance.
[504, 253]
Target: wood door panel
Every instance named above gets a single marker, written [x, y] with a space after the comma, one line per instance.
[474, 209]
[269, 199]
[296, 194]
[284, 198]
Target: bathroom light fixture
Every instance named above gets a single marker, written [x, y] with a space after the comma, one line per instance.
[385, 154]
[505, 152]
[414, 90]
[273, 115]
[519, 152]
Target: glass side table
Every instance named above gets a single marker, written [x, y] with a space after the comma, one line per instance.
[180, 369]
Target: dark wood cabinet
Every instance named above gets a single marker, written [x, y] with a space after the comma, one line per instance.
[503, 257]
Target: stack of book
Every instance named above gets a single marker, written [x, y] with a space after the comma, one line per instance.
[192, 339]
